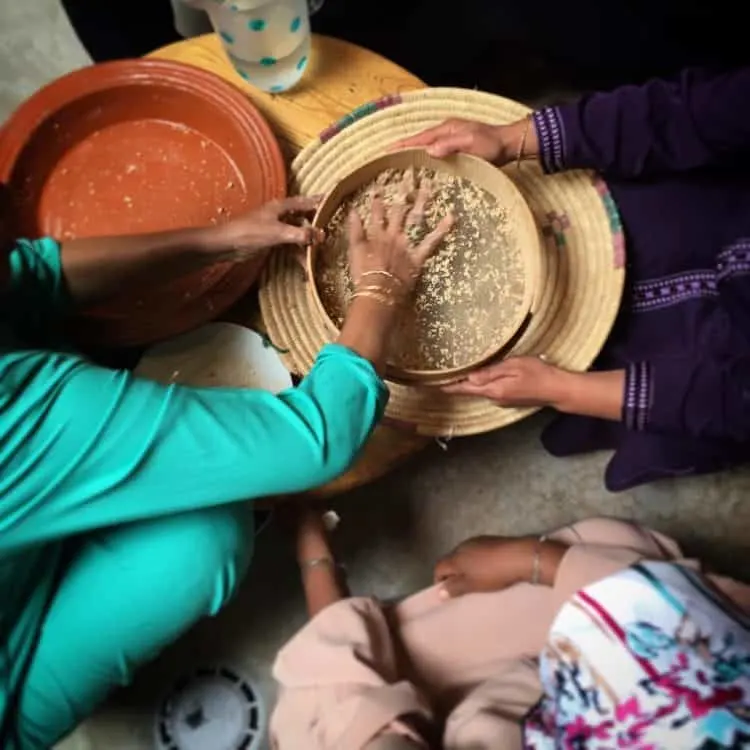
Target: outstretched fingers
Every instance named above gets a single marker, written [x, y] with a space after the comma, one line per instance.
[415, 217]
[377, 215]
[398, 209]
[430, 243]
[356, 229]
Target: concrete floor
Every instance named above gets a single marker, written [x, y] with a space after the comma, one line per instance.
[392, 531]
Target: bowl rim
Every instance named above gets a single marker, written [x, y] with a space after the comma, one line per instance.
[418, 157]
[20, 127]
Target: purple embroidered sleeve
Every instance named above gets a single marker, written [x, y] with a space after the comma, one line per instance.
[551, 139]
[734, 262]
[662, 127]
[705, 393]
[733, 283]
[637, 401]
[702, 397]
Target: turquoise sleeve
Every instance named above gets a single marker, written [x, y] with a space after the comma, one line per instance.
[84, 447]
[36, 291]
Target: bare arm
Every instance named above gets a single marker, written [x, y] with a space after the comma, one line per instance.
[493, 563]
[320, 579]
[593, 394]
[98, 267]
[367, 328]
[531, 381]
[385, 269]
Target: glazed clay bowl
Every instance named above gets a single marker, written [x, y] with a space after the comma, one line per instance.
[141, 146]
[491, 309]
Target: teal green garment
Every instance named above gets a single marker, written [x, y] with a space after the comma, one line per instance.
[87, 449]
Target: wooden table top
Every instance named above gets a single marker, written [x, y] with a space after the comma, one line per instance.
[340, 77]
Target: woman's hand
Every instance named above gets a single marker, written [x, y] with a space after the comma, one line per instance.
[519, 382]
[499, 144]
[96, 267]
[275, 223]
[385, 266]
[381, 255]
[532, 382]
[493, 563]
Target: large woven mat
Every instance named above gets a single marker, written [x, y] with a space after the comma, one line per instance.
[584, 260]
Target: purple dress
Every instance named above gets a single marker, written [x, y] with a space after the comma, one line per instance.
[676, 156]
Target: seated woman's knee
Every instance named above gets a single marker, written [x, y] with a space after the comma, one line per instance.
[209, 551]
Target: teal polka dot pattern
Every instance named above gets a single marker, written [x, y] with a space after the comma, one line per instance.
[242, 73]
[302, 63]
[295, 25]
[227, 37]
[276, 89]
[267, 61]
[257, 24]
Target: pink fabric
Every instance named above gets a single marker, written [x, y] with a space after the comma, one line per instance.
[339, 682]
[738, 593]
[359, 671]
[600, 547]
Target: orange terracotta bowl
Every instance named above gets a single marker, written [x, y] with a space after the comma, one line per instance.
[141, 146]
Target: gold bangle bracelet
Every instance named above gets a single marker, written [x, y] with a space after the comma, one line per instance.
[386, 274]
[387, 291]
[378, 297]
[522, 143]
[537, 564]
[317, 562]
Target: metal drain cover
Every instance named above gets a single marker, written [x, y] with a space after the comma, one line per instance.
[211, 709]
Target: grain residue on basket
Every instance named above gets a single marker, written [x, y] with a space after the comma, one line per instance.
[471, 289]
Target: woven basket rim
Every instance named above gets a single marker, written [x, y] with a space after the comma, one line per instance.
[493, 180]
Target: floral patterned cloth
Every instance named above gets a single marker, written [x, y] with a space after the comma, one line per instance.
[648, 658]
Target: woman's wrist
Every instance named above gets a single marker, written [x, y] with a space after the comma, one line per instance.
[366, 329]
[381, 295]
[549, 556]
[562, 390]
[312, 546]
[592, 394]
[517, 141]
[537, 560]
[228, 241]
[378, 315]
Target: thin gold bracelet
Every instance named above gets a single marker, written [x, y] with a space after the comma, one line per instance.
[522, 143]
[377, 288]
[537, 564]
[377, 296]
[386, 274]
[316, 562]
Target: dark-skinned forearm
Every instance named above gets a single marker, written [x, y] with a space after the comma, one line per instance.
[322, 588]
[550, 554]
[99, 267]
[592, 394]
[321, 581]
[510, 138]
[367, 329]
